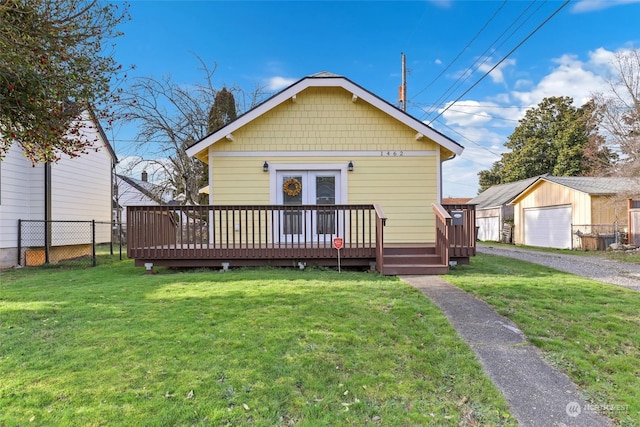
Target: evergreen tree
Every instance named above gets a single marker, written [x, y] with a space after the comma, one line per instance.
[222, 111]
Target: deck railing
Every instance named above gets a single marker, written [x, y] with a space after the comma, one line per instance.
[260, 231]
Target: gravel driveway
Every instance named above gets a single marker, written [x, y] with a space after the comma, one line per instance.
[595, 267]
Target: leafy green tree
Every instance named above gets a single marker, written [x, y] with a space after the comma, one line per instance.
[551, 138]
[52, 66]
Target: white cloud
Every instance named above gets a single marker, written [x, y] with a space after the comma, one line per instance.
[496, 75]
[460, 175]
[483, 146]
[466, 113]
[570, 78]
[278, 82]
[438, 61]
[523, 83]
[602, 56]
[595, 5]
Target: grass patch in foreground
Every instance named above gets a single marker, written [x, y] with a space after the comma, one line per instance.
[588, 329]
[266, 347]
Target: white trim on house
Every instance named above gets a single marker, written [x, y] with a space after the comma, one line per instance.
[385, 153]
[439, 176]
[333, 81]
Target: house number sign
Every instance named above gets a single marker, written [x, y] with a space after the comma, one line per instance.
[391, 153]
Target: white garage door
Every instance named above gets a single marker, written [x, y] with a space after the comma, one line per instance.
[489, 228]
[548, 227]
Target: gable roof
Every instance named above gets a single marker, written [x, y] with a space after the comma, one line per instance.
[502, 194]
[103, 135]
[594, 186]
[326, 79]
[152, 191]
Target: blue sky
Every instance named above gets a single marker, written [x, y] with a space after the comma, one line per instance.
[449, 46]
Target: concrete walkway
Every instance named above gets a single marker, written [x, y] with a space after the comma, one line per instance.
[538, 394]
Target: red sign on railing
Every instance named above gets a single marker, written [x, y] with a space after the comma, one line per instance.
[338, 242]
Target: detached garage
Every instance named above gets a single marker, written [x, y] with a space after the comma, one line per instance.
[548, 227]
[549, 211]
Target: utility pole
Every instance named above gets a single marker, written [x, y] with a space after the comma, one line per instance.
[403, 88]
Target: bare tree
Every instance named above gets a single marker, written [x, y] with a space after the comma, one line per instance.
[170, 118]
[620, 105]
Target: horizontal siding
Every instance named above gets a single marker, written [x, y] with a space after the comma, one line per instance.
[81, 187]
[405, 187]
[21, 194]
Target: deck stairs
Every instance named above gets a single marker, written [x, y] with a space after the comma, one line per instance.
[412, 259]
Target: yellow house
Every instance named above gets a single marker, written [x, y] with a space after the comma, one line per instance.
[556, 212]
[329, 157]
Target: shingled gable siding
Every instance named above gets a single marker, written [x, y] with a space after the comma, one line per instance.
[391, 167]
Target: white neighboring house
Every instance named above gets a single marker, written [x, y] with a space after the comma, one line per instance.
[73, 189]
[138, 192]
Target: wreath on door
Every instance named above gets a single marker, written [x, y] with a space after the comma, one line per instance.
[292, 187]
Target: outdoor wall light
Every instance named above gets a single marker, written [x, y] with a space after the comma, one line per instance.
[350, 166]
[265, 167]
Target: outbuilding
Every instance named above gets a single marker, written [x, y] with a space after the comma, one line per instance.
[556, 212]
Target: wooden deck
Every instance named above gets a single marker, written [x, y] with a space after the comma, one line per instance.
[296, 236]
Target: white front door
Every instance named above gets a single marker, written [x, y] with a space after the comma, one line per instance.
[316, 187]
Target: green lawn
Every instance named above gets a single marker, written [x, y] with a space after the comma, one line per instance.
[265, 347]
[588, 329]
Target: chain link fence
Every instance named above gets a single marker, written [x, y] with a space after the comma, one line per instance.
[598, 237]
[68, 243]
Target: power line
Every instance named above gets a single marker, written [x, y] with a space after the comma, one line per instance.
[502, 60]
[471, 141]
[485, 115]
[478, 114]
[466, 75]
[463, 49]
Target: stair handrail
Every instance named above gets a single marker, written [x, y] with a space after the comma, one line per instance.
[443, 223]
[381, 221]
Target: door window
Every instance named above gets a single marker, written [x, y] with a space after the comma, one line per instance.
[309, 188]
